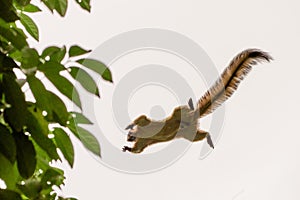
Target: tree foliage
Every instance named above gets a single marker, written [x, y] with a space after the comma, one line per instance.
[28, 141]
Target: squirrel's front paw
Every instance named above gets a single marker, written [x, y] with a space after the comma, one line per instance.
[126, 148]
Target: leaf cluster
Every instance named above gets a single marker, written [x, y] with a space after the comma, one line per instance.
[32, 133]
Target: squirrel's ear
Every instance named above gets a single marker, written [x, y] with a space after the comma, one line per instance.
[191, 104]
[130, 126]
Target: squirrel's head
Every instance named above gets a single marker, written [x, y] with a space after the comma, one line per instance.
[138, 122]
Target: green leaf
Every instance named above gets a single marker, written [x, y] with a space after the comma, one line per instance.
[42, 157]
[40, 94]
[88, 140]
[9, 194]
[49, 102]
[85, 4]
[98, 67]
[5, 47]
[59, 56]
[13, 35]
[30, 58]
[15, 115]
[7, 12]
[73, 128]
[53, 176]
[2, 106]
[70, 198]
[51, 70]
[31, 8]
[61, 7]
[7, 144]
[60, 113]
[76, 50]
[31, 188]
[8, 172]
[16, 55]
[65, 87]
[51, 67]
[25, 155]
[85, 80]
[37, 126]
[79, 118]
[64, 143]
[49, 51]
[20, 31]
[6, 63]
[22, 2]
[50, 4]
[55, 54]
[30, 26]
[9, 15]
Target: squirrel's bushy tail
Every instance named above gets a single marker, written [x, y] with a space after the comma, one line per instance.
[230, 79]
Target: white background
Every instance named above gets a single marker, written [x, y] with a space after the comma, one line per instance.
[258, 154]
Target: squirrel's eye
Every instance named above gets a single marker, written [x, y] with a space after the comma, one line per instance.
[131, 138]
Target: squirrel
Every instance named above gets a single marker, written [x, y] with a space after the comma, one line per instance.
[183, 122]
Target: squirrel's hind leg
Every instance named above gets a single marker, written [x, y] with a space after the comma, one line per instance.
[200, 135]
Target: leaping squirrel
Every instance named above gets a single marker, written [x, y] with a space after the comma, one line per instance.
[183, 123]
